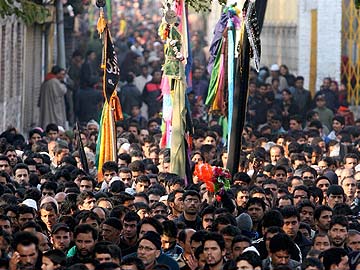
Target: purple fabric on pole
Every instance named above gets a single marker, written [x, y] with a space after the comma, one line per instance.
[218, 33]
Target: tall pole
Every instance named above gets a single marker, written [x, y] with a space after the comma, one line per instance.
[241, 92]
[60, 35]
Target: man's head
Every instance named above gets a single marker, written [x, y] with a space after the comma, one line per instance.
[109, 170]
[87, 183]
[175, 201]
[291, 221]
[335, 195]
[214, 249]
[192, 202]
[103, 253]
[300, 193]
[249, 260]
[142, 183]
[149, 224]
[25, 244]
[322, 217]
[85, 237]
[338, 123]
[239, 243]
[86, 200]
[21, 174]
[130, 221]
[48, 214]
[169, 236]
[338, 231]
[280, 248]
[354, 240]
[52, 131]
[306, 210]
[255, 207]
[276, 152]
[111, 229]
[25, 214]
[149, 248]
[126, 176]
[59, 72]
[60, 235]
[335, 259]
[349, 186]
[350, 161]
[321, 242]
[132, 263]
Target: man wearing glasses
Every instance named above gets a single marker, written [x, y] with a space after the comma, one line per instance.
[149, 249]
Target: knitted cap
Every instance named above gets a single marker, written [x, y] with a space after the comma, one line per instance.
[244, 222]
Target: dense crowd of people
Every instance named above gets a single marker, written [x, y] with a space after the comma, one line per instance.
[293, 204]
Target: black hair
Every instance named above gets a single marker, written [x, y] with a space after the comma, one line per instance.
[110, 166]
[257, 201]
[192, 193]
[332, 256]
[240, 238]
[251, 257]
[24, 239]
[131, 216]
[56, 256]
[170, 228]
[218, 238]
[312, 262]
[133, 261]
[272, 218]
[280, 242]
[340, 220]
[290, 211]
[86, 228]
[153, 222]
[320, 209]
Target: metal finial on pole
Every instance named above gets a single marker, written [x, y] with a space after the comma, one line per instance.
[100, 3]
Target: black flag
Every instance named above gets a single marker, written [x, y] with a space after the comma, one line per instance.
[80, 148]
[112, 70]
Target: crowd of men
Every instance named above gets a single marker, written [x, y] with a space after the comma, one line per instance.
[294, 203]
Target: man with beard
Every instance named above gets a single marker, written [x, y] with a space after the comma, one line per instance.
[255, 207]
[214, 251]
[26, 254]
[149, 249]
[280, 248]
[129, 237]
[207, 217]
[322, 218]
[338, 232]
[176, 203]
[192, 201]
[85, 237]
[60, 235]
[111, 230]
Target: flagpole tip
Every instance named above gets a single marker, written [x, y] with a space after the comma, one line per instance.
[100, 3]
